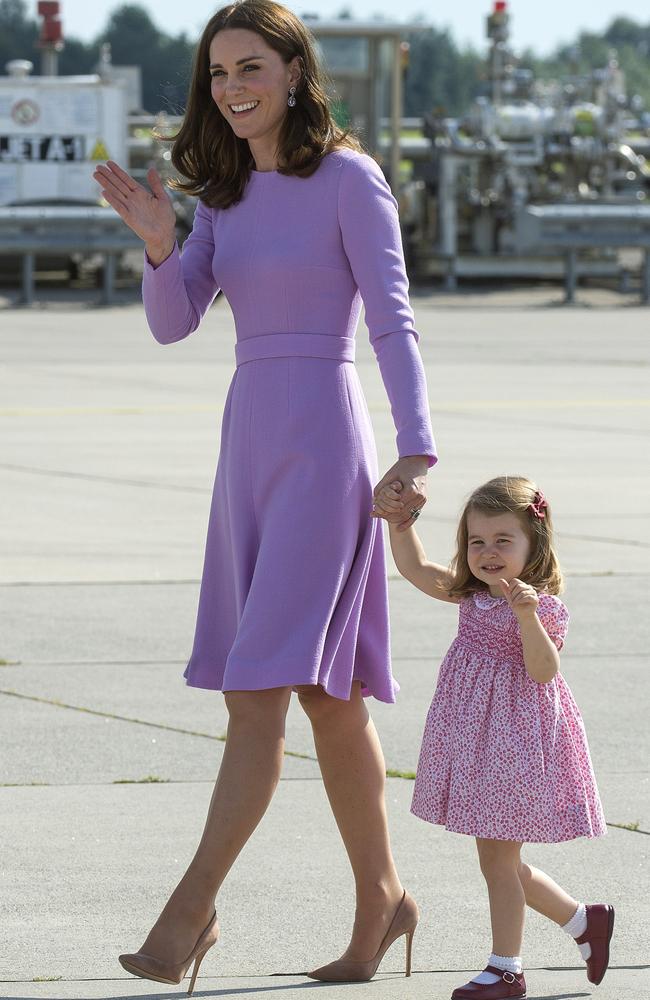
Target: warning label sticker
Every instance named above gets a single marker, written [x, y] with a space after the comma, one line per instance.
[99, 151]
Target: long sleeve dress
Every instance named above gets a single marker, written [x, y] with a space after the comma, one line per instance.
[294, 581]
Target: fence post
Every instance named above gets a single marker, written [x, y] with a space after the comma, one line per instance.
[645, 278]
[571, 261]
[28, 278]
[109, 278]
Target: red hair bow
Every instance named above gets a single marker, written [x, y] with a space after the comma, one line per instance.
[538, 505]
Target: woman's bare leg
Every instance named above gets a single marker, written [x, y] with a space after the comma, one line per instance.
[354, 774]
[248, 776]
[545, 895]
[500, 861]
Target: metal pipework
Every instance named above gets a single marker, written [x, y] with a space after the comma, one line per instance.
[51, 38]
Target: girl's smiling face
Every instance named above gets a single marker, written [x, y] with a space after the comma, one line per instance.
[250, 84]
[497, 547]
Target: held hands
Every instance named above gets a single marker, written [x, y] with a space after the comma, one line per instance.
[401, 492]
[150, 214]
[522, 598]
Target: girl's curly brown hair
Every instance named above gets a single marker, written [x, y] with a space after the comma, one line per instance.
[510, 494]
[214, 162]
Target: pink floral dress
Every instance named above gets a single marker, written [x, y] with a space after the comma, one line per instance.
[503, 756]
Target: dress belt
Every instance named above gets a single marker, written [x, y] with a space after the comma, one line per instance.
[294, 345]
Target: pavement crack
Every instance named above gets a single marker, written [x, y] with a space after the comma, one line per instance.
[604, 540]
[113, 480]
[54, 703]
[136, 722]
[117, 663]
[630, 828]
[103, 583]
[589, 428]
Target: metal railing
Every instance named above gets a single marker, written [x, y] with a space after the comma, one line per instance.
[571, 228]
[26, 231]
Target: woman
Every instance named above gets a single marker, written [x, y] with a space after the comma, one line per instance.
[295, 225]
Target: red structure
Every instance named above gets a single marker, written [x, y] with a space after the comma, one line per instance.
[51, 28]
[50, 41]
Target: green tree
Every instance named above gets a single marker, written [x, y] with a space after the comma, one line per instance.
[623, 31]
[629, 41]
[13, 14]
[177, 55]
[18, 34]
[439, 76]
[132, 35]
[78, 57]
[136, 41]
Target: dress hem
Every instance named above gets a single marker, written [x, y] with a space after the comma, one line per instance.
[329, 689]
[515, 839]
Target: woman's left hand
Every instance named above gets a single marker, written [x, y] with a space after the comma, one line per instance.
[411, 472]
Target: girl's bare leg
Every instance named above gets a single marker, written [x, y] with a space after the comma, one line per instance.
[354, 774]
[545, 895]
[500, 860]
[248, 776]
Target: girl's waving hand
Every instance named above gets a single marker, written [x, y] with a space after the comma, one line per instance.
[522, 598]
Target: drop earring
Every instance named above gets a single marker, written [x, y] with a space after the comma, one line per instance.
[292, 97]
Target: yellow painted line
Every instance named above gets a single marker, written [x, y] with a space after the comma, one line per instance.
[528, 403]
[112, 411]
[537, 404]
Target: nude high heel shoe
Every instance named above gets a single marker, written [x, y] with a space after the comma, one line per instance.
[345, 970]
[148, 967]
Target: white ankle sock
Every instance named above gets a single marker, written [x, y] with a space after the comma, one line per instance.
[576, 926]
[507, 964]
[499, 962]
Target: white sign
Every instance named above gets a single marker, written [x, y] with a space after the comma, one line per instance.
[53, 130]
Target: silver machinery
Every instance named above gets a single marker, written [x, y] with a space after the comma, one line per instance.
[473, 205]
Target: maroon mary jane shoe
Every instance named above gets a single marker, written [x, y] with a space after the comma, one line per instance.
[600, 927]
[509, 986]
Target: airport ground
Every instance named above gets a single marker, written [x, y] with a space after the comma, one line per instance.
[109, 444]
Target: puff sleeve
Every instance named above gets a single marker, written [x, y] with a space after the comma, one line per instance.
[554, 616]
[372, 240]
[178, 293]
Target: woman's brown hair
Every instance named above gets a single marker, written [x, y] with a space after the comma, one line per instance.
[214, 162]
[520, 496]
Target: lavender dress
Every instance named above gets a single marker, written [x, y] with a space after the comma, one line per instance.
[294, 581]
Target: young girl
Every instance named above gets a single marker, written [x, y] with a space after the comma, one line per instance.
[504, 756]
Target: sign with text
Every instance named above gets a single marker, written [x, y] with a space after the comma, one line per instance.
[53, 131]
[49, 148]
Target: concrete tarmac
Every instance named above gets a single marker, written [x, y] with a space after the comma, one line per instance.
[108, 449]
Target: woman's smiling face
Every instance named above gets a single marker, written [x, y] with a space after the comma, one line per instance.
[250, 83]
[497, 547]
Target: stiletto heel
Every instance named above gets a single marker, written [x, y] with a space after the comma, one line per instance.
[409, 949]
[148, 967]
[197, 963]
[346, 970]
